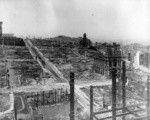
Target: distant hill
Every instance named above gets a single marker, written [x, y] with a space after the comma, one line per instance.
[65, 39]
[59, 40]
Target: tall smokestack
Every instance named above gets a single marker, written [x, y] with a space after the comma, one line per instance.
[1, 29]
[148, 48]
[84, 43]
[1, 33]
[84, 36]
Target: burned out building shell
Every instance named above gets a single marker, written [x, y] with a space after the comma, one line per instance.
[107, 58]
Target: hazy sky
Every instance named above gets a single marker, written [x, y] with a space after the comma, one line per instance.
[113, 20]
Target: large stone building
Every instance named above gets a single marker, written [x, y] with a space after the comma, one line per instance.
[107, 58]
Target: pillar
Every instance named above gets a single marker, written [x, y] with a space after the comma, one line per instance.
[114, 75]
[123, 88]
[72, 96]
[91, 102]
[148, 98]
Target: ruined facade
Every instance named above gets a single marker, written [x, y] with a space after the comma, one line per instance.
[107, 59]
[144, 59]
[140, 58]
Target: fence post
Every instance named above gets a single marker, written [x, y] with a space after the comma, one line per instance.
[114, 93]
[43, 99]
[91, 102]
[49, 98]
[37, 99]
[66, 96]
[71, 96]
[15, 109]
[148, 98]
[123, 88]
[55, 97]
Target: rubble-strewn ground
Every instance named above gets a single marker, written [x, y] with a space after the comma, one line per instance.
[68, 59]
[26, 70]
[4, 102]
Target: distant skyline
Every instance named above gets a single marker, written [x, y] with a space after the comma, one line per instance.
[102, 20]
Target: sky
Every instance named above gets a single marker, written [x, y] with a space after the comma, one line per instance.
[102, 20]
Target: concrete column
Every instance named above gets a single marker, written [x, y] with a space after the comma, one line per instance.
[123, 88]
[72, 117]
[148, 98]
[91, 102]
[114, 75]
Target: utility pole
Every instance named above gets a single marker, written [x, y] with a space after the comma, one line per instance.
[72, 117]
[123, 88]
[148, 98]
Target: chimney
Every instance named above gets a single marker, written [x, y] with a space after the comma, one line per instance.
[84, 42]
[1, 29]
[148, 48]
[84, 36]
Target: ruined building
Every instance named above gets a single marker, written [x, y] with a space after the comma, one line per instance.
[107, 58]
[139, 58]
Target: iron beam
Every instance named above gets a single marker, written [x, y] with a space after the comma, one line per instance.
[135, 105]
[120, 115]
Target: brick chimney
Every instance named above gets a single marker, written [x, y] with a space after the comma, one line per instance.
[1, 29]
